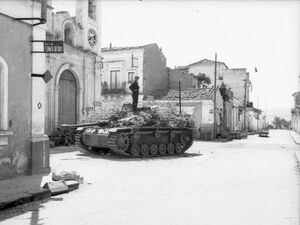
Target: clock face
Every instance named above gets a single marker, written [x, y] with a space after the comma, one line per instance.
[92, 38]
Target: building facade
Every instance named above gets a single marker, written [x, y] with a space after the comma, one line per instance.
[296, 113]
[295, 122]
[122, 64]
[76, 84]
[256, 119]
[198, 103]
[24, 147]
[236, 80]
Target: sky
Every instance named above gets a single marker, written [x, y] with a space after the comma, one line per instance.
[244, 34]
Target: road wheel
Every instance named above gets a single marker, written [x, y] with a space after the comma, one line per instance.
[135, 150]
[162, 149]
[145, 150]
[154, 149]
[178, 148]
[186, 139]
[123, 142]
[171, 148]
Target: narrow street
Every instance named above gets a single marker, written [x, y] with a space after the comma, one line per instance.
[253, 181]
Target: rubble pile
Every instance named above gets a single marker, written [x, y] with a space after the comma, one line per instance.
[189, 94]
[102, 113]
[149, 117]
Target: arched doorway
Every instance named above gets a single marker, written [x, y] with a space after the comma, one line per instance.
[67, 98]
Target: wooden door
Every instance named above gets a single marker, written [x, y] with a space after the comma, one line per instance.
[67, 96]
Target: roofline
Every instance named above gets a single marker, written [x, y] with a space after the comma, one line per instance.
[218, 62]
[238, 69]
[115, 49]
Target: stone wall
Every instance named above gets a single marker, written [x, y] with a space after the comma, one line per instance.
[186, 80]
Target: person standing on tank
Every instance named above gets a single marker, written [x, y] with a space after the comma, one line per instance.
[134, 87]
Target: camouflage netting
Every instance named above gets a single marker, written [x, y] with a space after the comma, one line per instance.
[145, 117]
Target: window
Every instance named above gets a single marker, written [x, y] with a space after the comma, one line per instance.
[115, 81]
[134, 61]
[130, 77]
[3, 94]
[92, 9]
[69, 33]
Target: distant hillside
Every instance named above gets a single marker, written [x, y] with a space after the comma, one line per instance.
[282, 112]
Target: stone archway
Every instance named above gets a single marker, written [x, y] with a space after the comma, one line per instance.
[67, 98]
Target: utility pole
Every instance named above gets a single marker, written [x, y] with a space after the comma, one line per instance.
[215, 98]
[245, 103]
[179, 97]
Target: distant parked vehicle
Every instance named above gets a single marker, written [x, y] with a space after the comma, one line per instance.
[263, 133]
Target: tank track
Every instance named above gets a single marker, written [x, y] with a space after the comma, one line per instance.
[150, 142]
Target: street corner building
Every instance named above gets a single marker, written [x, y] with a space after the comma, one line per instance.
[24, 147]
[76, 84]
[122, 64]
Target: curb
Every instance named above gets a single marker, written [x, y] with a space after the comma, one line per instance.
[34, 195]
[25, 197]
[292, 136]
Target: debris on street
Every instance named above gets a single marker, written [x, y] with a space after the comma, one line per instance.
[66, 176]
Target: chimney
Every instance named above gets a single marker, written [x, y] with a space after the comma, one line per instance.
[110, 45]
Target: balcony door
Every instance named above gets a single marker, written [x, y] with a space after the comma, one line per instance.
[115, 79]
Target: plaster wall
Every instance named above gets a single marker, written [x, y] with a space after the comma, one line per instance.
[208, 69]
[15, 141]
[235, 79]
[154, 70]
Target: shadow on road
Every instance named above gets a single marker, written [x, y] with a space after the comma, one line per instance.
[33, 207]
[64, 149]
[115, 157]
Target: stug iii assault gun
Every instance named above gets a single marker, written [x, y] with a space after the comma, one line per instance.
[146, 133]
[132, 141]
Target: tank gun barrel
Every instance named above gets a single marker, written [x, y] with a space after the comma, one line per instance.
[99, 123]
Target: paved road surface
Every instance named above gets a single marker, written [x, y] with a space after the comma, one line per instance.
[254, 181]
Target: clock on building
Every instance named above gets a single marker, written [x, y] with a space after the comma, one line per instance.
[92, 37]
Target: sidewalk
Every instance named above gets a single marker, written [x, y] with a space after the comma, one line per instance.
[295, 136]
[20, 190]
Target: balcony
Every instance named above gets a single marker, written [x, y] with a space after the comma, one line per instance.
[106, 90]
